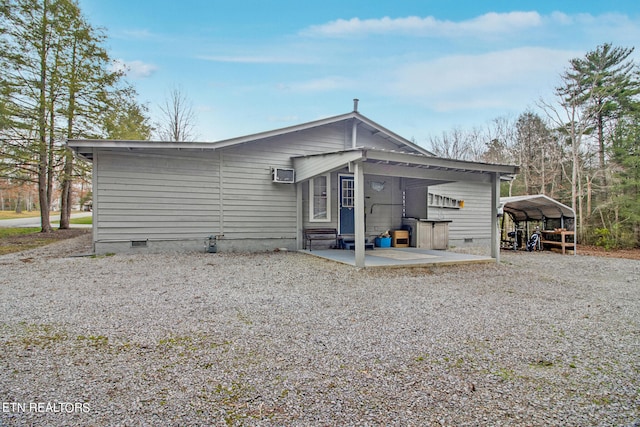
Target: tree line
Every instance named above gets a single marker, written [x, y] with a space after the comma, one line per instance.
[582, 148]
[58, 82]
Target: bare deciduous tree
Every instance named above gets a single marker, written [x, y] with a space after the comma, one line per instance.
[573, 122]
[178, 121]
[458, 144]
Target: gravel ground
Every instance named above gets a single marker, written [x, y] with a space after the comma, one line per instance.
[288, 339]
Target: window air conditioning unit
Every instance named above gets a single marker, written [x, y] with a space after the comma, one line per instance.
[284, 175]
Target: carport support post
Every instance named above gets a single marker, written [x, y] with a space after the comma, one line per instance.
[495, 201]
[358, 207]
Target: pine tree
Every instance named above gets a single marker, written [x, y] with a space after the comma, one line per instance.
[87, 82]
[608, 78]
[127, 121]
[624, 209]
[57, 84]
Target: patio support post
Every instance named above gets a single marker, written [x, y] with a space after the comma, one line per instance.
[299, 238]
[358, 207]
[495, 201]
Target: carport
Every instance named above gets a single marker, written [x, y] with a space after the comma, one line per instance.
[551, 214]
[536, 208]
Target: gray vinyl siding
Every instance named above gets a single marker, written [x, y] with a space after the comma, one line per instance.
[254, 206]
[156, 196]
[257, 208]
[165, 195]
[474, 220]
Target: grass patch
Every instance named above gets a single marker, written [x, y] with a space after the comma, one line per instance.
[87, 220]
[28, 214]
[14, 215]
[505, 374]
[95, 340]
[8, 248]
[108, 254]
[6, 233]
[82, 220]
[35, 336]
[22, 239]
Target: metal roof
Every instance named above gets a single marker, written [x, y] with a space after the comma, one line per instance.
[535, 207]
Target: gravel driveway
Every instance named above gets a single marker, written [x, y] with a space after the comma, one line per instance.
[288, 339]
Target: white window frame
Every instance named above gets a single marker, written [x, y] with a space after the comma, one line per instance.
[443, 202]
[327, 198]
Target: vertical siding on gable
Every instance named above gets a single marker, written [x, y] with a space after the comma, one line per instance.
[366, 139]
[157, 195]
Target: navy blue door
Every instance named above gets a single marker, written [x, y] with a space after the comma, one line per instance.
[345, 204]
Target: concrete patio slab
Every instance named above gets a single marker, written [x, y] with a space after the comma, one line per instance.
[400, 257]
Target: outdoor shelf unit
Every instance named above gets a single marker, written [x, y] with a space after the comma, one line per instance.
[428, 234]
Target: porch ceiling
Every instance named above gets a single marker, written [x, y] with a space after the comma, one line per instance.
[392, 163]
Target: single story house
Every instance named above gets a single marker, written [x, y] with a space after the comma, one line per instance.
[261, 191]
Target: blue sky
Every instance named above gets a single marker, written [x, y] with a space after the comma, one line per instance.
[419, 67]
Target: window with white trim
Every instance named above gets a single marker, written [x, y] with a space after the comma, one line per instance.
[320, 199]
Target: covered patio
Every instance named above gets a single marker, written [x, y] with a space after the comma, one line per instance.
[399, 257]
[415, 171]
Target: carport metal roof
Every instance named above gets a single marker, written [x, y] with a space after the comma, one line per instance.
[535, 207]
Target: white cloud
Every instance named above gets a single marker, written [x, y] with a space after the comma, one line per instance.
[561, 18]
[257, 59]
[284, 119]
[490, 23]
[473, 81]
[141, 34]
[318, 85]
[135, 69]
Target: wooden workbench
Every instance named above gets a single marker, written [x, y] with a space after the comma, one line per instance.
[549, 239]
